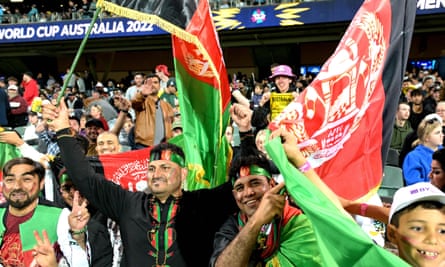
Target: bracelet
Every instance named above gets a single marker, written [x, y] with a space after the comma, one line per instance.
[363, 209]
[305, 167]
[78, 232]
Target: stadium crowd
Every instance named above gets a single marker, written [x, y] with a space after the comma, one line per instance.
[39, 11]
[104, 225]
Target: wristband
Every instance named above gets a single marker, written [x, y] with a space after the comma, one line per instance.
[363, 209]
[305, 167]
[78, 232]
[124, 111]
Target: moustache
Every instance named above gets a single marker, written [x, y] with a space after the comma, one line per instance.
[18, 191]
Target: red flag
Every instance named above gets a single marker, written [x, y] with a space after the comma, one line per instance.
[339, 118]
[128, 169]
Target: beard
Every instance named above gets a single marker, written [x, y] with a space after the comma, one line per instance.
[21, 204]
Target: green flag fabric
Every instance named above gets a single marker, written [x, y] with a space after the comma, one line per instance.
[340, 240]
[8, 152]
[202, 81]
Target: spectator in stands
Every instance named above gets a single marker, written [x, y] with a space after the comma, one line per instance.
[416, 222]
[169, 94]
[433, 97]
[75, 123]
[93, 128]
[33, 13]
[257, 95]
[2, 10]
[23, 180]
[437, 174]
[427, 83]
[100, 97]
[95, 231]
[30, 131]
[417, 164]
[73, 102]
[402, 126]
[162, 72]
[417, 111]
[4, 108]
[30, 86]
[176, 128]
[132, 90]
[153, 117]
[199, 213]
[245, 239]
[12, 81]
[85, 10]
[3, 84]
[19, 108]
[282, 76]
[96, 113]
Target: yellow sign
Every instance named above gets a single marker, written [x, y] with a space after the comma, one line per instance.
[278, 102]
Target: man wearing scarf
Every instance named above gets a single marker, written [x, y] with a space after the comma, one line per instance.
[268, 230]
[169, 226]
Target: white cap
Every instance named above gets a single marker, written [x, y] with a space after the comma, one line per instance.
[99, 84]
[13, 87]
[408, 195]
[433, 116]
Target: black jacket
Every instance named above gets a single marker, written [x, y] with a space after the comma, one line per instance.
[200, 214]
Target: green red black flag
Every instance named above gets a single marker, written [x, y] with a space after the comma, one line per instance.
[344, 121]
[203, 87]
[345, 117]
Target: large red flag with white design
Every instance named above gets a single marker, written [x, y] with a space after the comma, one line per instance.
[343, 120]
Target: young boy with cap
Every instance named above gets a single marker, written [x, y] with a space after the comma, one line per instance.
[417, 224]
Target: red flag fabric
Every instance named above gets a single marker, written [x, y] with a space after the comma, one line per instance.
[339, 118]
[128, 169]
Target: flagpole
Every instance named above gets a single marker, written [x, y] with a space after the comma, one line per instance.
[79, 53]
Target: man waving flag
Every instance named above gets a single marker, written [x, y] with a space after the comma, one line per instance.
[202, 81]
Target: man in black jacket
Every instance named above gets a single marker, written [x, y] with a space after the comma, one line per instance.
[169, 226]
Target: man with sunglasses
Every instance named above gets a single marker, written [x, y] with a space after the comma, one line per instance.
[169, 226]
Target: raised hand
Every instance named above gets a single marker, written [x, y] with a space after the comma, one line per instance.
[271, 205]
[242, 116]
[79, 215]
[290, 145]
[44, 254]
[56, 117]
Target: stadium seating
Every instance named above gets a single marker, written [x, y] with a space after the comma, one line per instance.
[392, 180]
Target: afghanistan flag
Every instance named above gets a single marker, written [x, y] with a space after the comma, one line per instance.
[203, 87]
[127, 169]
[340, 240]
[344, 118]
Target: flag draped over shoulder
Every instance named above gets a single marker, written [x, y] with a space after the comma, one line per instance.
[340, 240]
[203, 87]
[344, 118]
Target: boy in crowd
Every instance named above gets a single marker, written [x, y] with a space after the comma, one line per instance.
[417, 224]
